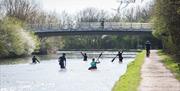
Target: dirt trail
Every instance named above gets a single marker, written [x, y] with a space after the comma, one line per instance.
[155, 77]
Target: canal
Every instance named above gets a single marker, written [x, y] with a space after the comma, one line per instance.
[20, 75]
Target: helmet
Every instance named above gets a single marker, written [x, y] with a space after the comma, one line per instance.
[147, 42]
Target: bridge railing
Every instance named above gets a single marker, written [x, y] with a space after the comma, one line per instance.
[118, 26]
[87, 26]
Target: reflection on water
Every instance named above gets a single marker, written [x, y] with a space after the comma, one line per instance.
[47, 75]
[15, 60]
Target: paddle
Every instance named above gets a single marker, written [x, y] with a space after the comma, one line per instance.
[99, 56]
[114, 58]
[82, 54]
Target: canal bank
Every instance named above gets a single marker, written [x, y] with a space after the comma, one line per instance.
[131, 79]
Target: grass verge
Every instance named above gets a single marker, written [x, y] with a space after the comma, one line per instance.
[131, 79]
[171, 63]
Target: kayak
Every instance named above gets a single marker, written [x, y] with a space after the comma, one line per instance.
[92, 68]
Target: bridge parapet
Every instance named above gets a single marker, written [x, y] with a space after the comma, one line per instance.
[81, 26]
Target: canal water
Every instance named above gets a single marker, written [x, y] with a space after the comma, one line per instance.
[21, 75]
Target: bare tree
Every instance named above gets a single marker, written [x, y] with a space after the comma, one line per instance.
[67, 20]
[131, 11]
[1, 9]
[87, 15]
[91, 15]
[21, 9]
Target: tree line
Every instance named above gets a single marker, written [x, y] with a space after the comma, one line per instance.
[166, 23]
[109, 42]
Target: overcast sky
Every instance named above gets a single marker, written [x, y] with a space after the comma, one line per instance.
[72, 6]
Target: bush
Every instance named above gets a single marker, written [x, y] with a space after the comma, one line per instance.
[14, 40]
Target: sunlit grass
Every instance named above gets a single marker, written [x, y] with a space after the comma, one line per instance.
[170, 63]
[131, 79]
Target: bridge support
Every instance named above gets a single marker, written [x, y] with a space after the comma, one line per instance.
[43, 49]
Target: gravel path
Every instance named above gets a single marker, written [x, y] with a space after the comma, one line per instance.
[155, 77]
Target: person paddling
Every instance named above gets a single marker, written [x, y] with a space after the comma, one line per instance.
[93, 64]
[35, 60]
[62, 61]
[120, 56]
[85, 56]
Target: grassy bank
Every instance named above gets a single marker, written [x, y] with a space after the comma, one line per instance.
[131, 79]
[171, 63]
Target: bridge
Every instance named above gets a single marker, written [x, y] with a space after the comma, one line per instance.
[93, 28]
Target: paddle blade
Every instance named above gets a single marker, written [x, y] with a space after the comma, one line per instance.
[113, 60]
[100, 55]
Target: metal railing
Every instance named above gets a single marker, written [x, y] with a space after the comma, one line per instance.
[85, 26]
